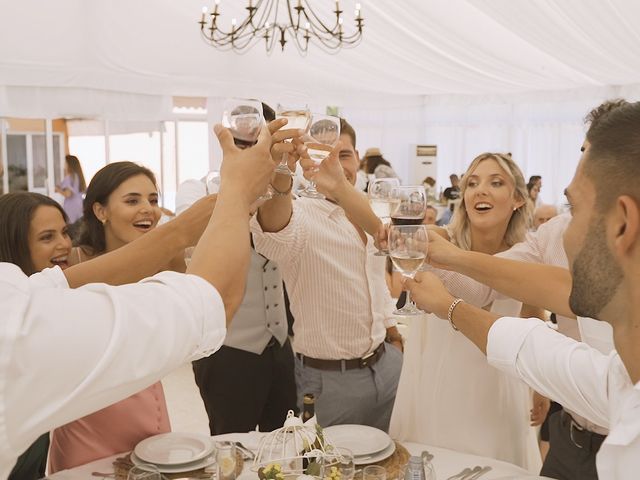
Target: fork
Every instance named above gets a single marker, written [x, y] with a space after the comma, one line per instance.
[478, 474]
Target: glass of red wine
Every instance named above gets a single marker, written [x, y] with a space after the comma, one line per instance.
[409, 205]
[244, 119]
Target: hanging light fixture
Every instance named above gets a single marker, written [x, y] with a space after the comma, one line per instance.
[263, 23]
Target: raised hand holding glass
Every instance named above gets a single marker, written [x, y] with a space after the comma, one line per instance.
[323, 135]
[408, 247]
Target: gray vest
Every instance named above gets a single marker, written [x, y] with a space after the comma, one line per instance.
[262, 314]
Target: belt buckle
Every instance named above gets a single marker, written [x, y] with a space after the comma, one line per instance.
[364, 361]
[573, 425]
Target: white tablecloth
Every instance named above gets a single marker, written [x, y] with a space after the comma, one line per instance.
[446, 463]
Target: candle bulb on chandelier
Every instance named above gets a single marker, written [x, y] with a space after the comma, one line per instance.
[233, 23]
[204, 12]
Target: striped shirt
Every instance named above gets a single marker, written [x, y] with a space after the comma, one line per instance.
[336, 285]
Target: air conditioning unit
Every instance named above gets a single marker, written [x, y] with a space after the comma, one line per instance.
[424, 163]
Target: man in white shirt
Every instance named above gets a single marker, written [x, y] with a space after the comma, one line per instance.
[338, 295]
[602, 243]
[65, 353]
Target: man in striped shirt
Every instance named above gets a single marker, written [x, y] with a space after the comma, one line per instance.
[338, 294]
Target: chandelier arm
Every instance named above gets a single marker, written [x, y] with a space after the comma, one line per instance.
[320, 22]
[301, 48]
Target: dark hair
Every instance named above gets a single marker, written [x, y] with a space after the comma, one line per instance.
[16, 212]
[594, 115]
[347, 129]
[612, 160]
[453, 177]
[74, 166]
[102, 185]
[374, 162]
[429, 181]
[268, 113]
[534, 178]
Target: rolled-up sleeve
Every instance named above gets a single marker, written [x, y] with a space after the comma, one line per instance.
[284, 245]
[569, 372]
[66, 353]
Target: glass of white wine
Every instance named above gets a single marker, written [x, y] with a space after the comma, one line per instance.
[323, 135]
[382, 202]
[298, 117]
[408, 247]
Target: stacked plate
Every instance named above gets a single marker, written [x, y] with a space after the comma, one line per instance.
[368, 444]
[175, 452]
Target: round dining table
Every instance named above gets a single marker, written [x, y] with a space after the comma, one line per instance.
[447, 463]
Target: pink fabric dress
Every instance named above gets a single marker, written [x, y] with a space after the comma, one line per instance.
[115, 429]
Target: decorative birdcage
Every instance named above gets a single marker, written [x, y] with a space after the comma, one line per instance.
[291, 451]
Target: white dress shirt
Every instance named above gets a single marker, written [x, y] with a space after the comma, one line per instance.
[337, 287]
[543, 246]
[65, 353]
[595, 385]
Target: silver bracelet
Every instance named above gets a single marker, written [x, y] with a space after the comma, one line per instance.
[452, 307]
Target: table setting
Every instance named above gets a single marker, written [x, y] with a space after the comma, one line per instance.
[297, 451]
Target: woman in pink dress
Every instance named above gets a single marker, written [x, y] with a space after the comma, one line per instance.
[120, 205]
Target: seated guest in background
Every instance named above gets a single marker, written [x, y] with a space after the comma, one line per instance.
[430, 187]
[376, 164]
[121, 204]
[431, 408]
[534, 194]
[430, 215]
[250, 380]
[602, 242]
[72, 187]
[34, 236]
[452, 192]
[339, 298]
[543, 214]
[72, 351]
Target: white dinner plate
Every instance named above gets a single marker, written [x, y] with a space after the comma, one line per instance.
[185, 467]
[376, 457]
[174, 448]
[362, 440]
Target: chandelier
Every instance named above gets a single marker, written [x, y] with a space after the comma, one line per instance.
[263, 23]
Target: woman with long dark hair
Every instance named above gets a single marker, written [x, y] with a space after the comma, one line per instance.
[33, 236]
[72, 187]
[121, 204]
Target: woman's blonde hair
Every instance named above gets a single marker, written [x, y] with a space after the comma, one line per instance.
[460, 228]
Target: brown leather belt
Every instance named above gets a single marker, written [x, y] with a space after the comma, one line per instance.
[342, 365]
[581, 437]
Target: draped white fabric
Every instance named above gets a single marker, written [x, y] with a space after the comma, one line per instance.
[467, 75]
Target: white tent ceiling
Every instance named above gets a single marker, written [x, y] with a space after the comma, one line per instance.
[410, 47]
[466, 75]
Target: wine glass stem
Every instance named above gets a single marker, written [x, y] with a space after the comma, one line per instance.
[408, 300]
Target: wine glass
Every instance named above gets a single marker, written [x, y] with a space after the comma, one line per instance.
[298, 116]
[244, 118]
[381, 201]
[323, 135]
[410, 205]
[338, 464]
[408, 246]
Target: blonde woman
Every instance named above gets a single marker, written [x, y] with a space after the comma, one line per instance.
[448, 395]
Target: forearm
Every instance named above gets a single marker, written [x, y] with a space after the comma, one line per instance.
[357, 207]
[222, 254]
[540, 285]
[472, 321]
[142, 258]
[275, 214]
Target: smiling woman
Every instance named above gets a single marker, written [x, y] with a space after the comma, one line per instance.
[121, 204]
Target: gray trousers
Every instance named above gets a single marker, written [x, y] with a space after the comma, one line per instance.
[362, 396]
[566, 460]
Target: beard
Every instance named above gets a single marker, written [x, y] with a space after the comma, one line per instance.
[596, 275]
